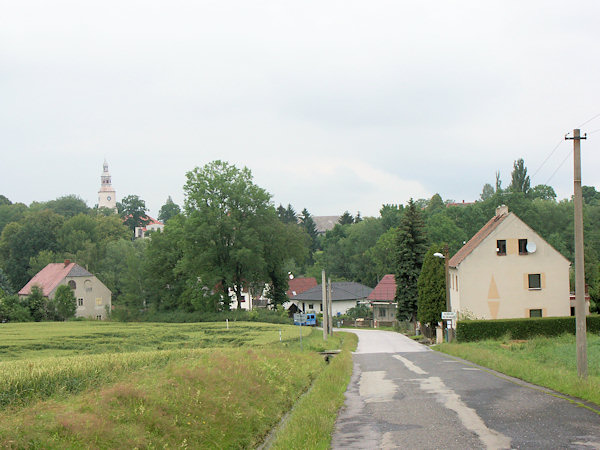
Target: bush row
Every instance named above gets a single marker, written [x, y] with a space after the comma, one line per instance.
[476, 330]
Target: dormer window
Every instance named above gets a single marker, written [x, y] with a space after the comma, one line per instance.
[523, 247]
[501, 247]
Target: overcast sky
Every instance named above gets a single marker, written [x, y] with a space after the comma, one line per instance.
[333, 105]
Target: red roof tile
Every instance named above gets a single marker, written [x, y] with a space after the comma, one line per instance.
[476, 240]
[48, 278]
[300, 285]
[385, 289]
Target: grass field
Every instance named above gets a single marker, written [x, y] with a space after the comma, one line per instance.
[114, 385]
[41, 339]
[549, 362]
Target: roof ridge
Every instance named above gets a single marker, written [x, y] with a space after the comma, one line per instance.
[477, 238]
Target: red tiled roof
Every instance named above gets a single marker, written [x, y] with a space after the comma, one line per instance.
[48, 278]
[460, 204]
[476, 240]
[385, 289]
[299, 285]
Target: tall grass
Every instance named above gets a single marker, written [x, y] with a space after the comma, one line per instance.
[549, 362]
[202, 398]
[311, 423]
[32, 375]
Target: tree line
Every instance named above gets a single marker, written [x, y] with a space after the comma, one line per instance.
[229, 238]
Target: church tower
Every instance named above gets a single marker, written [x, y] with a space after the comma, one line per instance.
[106, 194]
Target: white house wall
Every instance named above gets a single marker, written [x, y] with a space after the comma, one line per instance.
[496, 287]
[95, 295]
[339, 306]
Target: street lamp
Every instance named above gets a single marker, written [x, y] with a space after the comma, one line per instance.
[446, 273]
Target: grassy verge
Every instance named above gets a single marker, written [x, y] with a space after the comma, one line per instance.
[207, 398]
[549, 362]
[310, 424]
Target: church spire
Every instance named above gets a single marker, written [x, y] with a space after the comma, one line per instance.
[106, 194]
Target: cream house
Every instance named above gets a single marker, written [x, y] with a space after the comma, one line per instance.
[92, 296]
[508, 271]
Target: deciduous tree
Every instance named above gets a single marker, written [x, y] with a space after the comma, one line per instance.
[168, 210]
[133, 211]
[519, 179]
[226, 212]
[64, 302]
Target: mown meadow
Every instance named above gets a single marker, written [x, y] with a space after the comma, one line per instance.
[117, 385]
[545, 361]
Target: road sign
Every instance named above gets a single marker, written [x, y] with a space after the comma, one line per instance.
[448, 315]
[299, 319]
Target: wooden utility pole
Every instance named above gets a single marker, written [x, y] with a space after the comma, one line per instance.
[447, 275]
[580, 309]
[330, 304]
[324, 303]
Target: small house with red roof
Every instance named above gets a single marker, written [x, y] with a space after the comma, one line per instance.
[383, 301]
[92, 296]
[506, 270]
[150, 225]
[297, 286]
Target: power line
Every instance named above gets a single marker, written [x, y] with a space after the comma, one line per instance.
[558, 168]
[548, 157]
[589, 120]
[595, 131]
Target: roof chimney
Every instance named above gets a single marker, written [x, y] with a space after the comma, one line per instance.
[67, 262]
[501, 210]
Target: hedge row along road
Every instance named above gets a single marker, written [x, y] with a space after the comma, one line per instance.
[403, 395]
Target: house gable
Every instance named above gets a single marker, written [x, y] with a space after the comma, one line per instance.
[490, 277]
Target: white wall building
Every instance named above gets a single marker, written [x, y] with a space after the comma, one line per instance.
[508, 271]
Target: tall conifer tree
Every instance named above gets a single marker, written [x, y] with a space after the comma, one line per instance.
[410, 249]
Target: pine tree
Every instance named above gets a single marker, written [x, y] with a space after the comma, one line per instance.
[410, 249]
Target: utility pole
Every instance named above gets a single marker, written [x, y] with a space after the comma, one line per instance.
[447, 275]
[330, 304]
[580, 309]
[324, 303]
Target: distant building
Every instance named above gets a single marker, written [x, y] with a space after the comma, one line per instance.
[344, 295]
[507, 270]
[107, 197]
[383, 301]
[92, 296]
[460, 204]
[150, 225]
[325, 223]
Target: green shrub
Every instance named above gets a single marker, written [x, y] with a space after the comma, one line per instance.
[476, 330]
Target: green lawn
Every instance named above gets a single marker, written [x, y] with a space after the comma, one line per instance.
[549, 362]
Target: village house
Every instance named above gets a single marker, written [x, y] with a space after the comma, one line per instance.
[383, 301]
[507, 271]
[149, 225]
[93, 297]
[344, 295]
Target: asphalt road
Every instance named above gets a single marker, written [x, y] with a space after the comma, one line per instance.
[403, 395]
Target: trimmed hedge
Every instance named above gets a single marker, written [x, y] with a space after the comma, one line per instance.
[476, 330]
